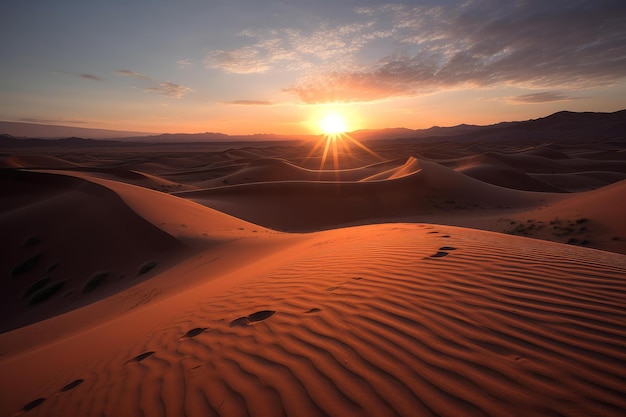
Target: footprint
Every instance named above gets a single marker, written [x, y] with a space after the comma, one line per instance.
[33, 404]
[331, 288]
[254, 317]
[439, 254]
[72, 385]
[195, 332]
[143, 356]
[241, 321]
[313, 310]
[261, 315]
[430, 233]
[447, 248]
[445, 236]
[357, 278]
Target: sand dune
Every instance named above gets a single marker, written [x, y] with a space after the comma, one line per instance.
[34, 161]
[508, 178]
[581, 181]
[306, 206]
[64, 235]
[594, 217]
[121, 297]
[136, 178]
[272, 170]
[375, 320]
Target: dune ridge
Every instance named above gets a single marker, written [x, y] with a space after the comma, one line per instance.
[417, 187]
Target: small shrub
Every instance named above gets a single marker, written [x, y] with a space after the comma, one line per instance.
[53, 267]
[30, 241]
[35, 287]
[96, 281]
[46, 292]
[580, 221]
[147, 267]
[27, 265]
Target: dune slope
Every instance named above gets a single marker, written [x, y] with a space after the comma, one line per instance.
[378, 320]
[64, 238]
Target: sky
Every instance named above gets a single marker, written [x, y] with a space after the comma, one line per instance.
[252, 66]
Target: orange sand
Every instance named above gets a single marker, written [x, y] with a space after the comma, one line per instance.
[221, 313]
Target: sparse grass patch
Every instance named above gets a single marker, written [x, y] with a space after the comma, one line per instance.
[35, 287]
[95, 281]
[520, 229]
[147, 267]
[46, 292]
[26, 265]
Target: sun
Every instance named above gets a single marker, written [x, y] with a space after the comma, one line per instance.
[335, 142]
[333, 124]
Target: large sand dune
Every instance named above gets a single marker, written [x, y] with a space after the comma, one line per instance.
[152, 282]
[375, 320]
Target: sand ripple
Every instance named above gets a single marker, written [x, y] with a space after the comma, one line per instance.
[497, 327]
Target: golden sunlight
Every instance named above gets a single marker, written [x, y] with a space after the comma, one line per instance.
[333, 124]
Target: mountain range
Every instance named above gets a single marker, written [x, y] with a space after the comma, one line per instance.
[572, 126]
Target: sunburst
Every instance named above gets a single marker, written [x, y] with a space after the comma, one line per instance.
[335, 138]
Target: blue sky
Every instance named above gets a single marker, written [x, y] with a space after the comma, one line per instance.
[260, 67]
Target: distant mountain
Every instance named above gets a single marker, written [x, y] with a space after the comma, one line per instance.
[210, 137]
[9, 141]
[33, 130]
[400, 132]
[563, 125]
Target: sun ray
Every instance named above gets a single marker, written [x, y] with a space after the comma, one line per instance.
[335, 156]
[360, 145]
[325, 153]
[336, 140]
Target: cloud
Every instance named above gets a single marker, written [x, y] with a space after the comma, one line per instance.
[543, 97]
[169, 89]
[84, 76]
[396, 49]
[250, 102]
[164, 88]
[184, 63]
[127, 73]
[91, 77]
[294, 49]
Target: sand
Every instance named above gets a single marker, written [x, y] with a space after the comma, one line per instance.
[245, 282]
